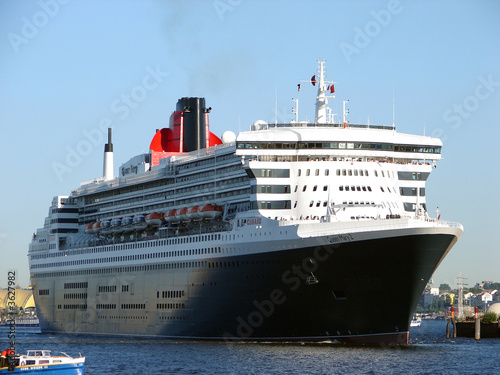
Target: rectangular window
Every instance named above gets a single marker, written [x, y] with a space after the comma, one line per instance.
[410, 207]
[420, 176]
[408, 191]
[270, 189]
[270, 205]
[269, 173]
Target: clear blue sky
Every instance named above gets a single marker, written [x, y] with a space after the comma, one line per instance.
[68, 66]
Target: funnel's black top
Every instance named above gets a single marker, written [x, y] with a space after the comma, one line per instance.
[194, 123]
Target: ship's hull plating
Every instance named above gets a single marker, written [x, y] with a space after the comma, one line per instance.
[359, 291]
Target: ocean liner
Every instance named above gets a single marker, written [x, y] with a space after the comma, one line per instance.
[289, 231]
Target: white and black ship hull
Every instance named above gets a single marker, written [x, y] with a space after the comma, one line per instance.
[359, 287]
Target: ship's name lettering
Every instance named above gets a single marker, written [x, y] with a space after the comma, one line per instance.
[254, 221]
[341, 238]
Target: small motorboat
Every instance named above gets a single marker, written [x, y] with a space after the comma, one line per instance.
[40, 361]
[415, 322]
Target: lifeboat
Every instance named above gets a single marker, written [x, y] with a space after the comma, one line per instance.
[127, 224]
[170, 216]
[88, 228]
[105, 225]
[155, 219]
[139, 222]
[182, 214]
[96, 228]
[211, 211]
[193, 213]
[116, 225]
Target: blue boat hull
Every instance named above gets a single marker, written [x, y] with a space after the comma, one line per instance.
[57, 369]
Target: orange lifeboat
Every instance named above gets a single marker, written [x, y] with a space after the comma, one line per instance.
[170, 216]
[96, 228]
[211, 211]
[182, 214]
[193, 213]
[88, 228]
[155, 219]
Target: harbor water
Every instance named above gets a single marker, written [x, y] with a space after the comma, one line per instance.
[429, 352]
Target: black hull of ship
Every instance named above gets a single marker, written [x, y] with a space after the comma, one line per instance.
[360, 292]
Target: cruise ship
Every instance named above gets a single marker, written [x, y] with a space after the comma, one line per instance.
[299, 231]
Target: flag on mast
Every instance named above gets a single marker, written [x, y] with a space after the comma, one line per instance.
[313, 80]
[332, 89]
[298, 87]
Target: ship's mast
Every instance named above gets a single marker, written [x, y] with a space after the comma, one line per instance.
[345, 113]
[295, 110]
[322, 98]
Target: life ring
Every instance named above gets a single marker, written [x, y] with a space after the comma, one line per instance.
[22, 363]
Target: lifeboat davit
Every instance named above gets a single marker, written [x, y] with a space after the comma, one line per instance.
[211, 211]
[116, 225]
[155, 219]
[193, 213]
[170, 216]
[182, 214]
[139, 222]
[127, 224]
